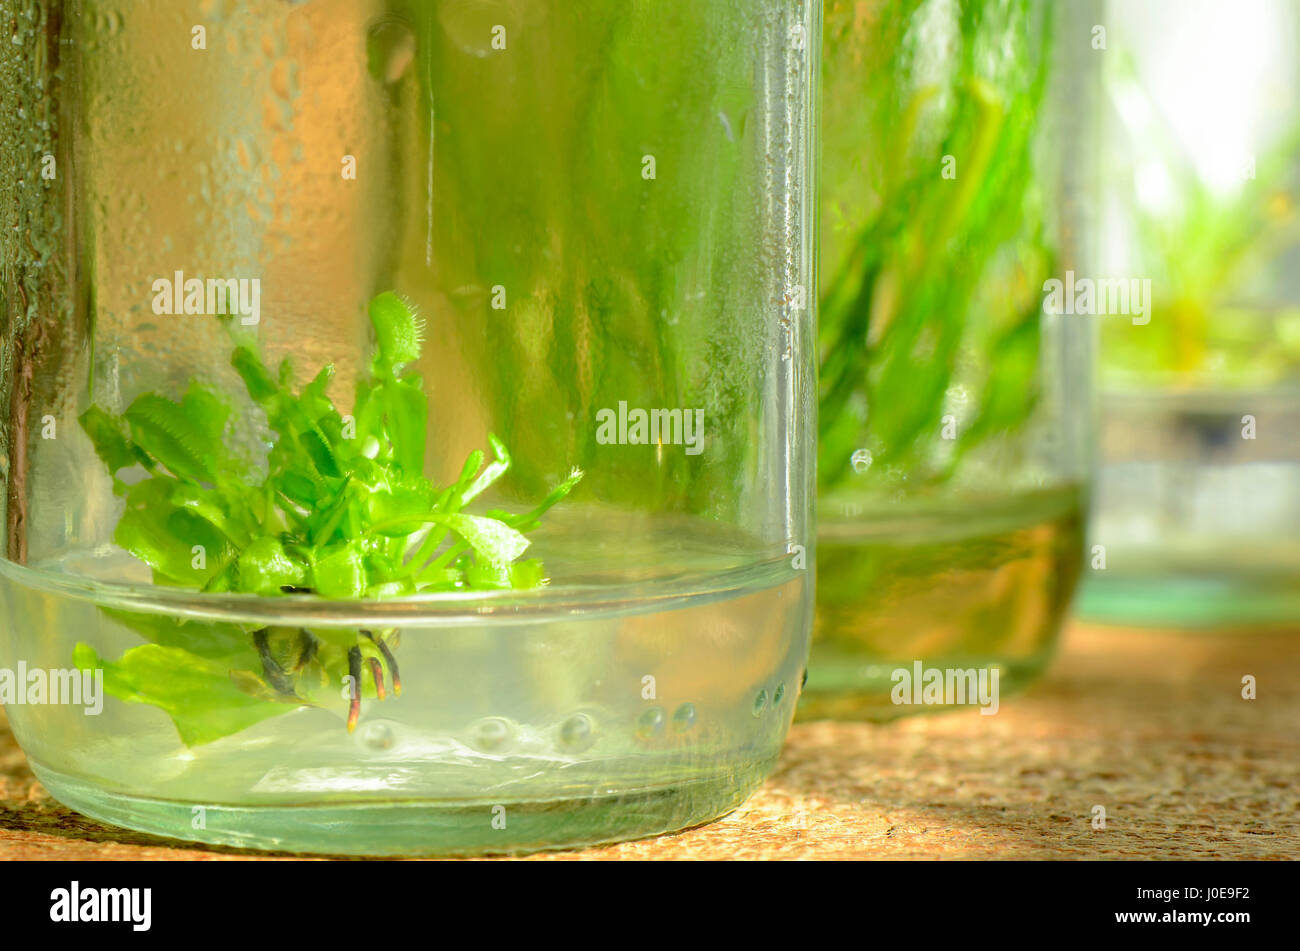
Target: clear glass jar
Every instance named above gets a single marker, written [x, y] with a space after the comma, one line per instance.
[954, 409]
[603, 223]
[1198, 500]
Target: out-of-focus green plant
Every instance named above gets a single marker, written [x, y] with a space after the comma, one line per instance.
[934, 248]
[597, 176]
[1206, 253]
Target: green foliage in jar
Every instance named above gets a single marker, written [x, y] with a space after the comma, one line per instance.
[934, 246]
[1214, 254]
[343, 511]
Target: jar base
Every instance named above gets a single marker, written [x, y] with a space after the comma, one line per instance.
[1188, 601]
[869, 697]
[958, 585]
[419, 827]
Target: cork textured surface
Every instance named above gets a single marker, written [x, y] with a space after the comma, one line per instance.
[1151, 726]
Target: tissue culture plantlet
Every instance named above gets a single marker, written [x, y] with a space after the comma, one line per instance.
[935, 249]
[343, 511]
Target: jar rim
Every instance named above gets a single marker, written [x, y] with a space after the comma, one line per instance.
[434, 609]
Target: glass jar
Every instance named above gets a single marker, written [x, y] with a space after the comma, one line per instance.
[1199, 492]
[954, 406]
[553, 262]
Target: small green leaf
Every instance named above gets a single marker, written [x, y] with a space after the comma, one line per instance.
[108, 434]
[215, 641]
[301, 489]
[528, 573]
[487, 575]
[496, 470]
[528, 521]
[433, 578]
[198, 694]
[398, 333]
[492, 540]
[206, 412]
[161, 428]
[226, 509]
[340, 574]
[399, 511]
[264, 568]
[317, 449]
[257, 379]
[179, 546]
[406, 412]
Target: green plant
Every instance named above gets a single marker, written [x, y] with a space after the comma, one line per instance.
[1205, 250]
[618, 281]
[933, 243]
[342, 511]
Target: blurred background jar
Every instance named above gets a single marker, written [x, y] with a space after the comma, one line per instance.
[953, 455]
[1198, 508]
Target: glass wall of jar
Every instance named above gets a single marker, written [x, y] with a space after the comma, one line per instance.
[408, 413]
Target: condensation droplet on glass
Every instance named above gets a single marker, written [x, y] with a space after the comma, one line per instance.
[390, 49]
[577, 733]
[491, 734]
[377, 735]
[684, 717]
[651, 723]
[861, 460]
[470, 23]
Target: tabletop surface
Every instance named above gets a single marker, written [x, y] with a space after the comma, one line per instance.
[1150, 725]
